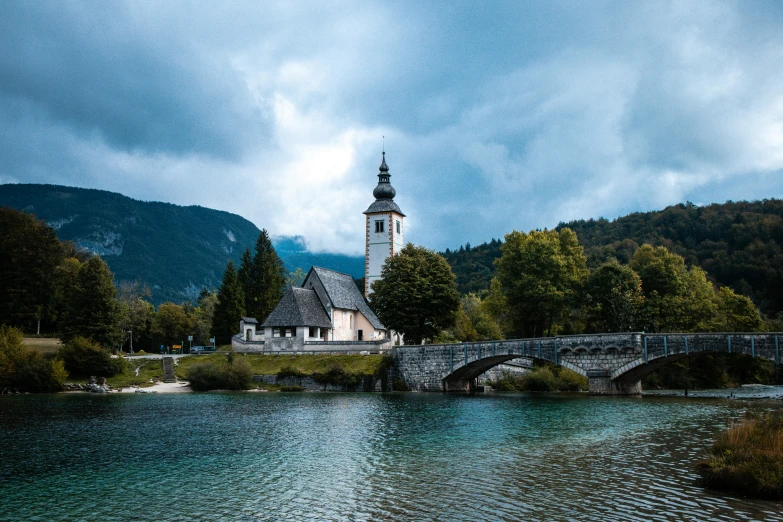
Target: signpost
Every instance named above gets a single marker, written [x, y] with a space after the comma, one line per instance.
[190, 343]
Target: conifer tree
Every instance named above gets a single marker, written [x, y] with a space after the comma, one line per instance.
[244, 274]
[92, 309]
[229, 307]
[266, 281]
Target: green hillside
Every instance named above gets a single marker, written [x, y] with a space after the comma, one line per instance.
[176, 250]
[739, 244]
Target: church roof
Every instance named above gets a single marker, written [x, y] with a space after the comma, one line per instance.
[249, 320]
[344, 294]
[299, 307]
[384, 205]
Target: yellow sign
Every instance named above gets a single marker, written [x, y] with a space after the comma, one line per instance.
[177, 346]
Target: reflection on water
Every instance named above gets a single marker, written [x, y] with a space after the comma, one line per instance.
[242, 456]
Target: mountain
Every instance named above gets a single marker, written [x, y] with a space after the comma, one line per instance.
[176, 250]
[739, 244]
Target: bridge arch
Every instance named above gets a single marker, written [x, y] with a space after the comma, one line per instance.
[613, 363]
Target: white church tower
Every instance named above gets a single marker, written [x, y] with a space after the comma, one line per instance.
[384, 228]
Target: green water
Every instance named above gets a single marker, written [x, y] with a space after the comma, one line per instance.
[273, 456]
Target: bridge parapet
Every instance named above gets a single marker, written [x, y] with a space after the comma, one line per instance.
[613, 363]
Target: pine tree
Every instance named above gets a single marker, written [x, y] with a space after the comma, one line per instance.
[92, 310]
[266, 281]
[244, 274]
[229, 308]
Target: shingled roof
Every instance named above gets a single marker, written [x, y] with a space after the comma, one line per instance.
[299, 307]
[383, 205]
[344, 294]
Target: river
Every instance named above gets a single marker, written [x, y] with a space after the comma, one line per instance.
[406, 456]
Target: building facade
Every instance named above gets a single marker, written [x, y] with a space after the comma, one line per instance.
[326, 311]
[385, 228]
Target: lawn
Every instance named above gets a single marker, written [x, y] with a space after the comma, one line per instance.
[42, 344]
[305, 364]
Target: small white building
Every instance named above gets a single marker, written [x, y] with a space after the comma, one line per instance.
[327, 308]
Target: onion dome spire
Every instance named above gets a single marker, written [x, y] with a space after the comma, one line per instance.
[384, 190]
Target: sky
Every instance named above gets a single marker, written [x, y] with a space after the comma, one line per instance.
[497, 116]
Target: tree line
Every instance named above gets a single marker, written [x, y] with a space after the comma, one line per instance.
[739, 244]
[543, 286]
[51, 287]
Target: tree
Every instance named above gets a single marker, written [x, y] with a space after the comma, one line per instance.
[266, 279]
[614, 296]
[229, 307]
[136, 314]
[541, 275]
[92, 309]
[204, 314]
[416, 295]
[737, 313]
[26, 370]
[172, 324]
[485, 326]
[244, 273]
[30, 256]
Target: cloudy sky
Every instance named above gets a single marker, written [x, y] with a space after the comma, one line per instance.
[497, 116]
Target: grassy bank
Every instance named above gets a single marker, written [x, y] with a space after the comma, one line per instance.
[747, 458]
[42, 344]
[306, 365]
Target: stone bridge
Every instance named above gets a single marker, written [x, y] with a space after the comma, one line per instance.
[614, 364]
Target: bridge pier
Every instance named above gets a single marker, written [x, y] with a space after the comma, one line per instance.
[599, 382]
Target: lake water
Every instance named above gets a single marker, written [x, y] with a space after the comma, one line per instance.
[315, 456]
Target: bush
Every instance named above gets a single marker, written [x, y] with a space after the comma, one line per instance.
[84, 358]
[239, 375]
[206, 376]
[216, 375]
[747, 458]
[337, 376]
[26, 370]
[541, 379]
[289, 371]
[291, 389]
[569, 380]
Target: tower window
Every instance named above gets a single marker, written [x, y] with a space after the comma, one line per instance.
[398, 227]
[378, 226]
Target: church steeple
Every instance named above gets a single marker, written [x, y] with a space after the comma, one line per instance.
[384, 190]
[384, 228]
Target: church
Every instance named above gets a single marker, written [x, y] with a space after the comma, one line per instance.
[328, 309]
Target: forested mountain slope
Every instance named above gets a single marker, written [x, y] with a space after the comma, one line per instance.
[176, 250]
[739, 244]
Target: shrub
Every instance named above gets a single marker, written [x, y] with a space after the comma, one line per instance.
[569, 380]
[507, 382]
[26, 370]
[291, 389]
[84, 358]
[540, 379]
[216, 375]
[206, 376]
[239, 375]
[337, 376]
[289, 371]
[747, 458]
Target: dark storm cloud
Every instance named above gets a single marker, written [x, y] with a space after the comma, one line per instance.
[102, 70]
[497, 115]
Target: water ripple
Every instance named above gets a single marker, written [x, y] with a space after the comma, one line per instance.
[271, 457]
